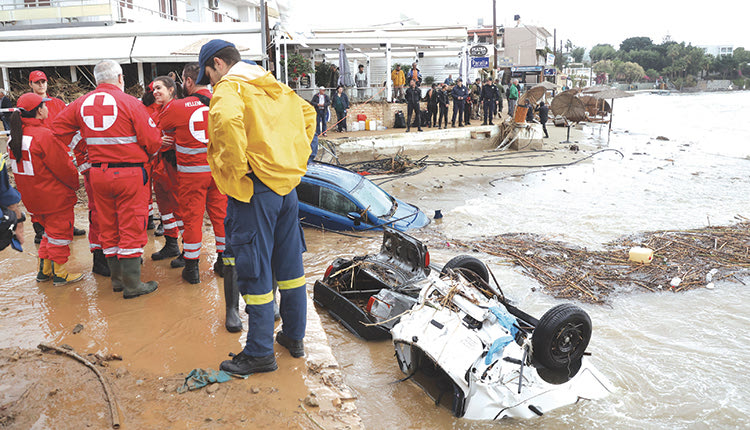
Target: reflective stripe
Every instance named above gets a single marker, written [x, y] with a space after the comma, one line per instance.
[84, 167]
[57, 242]
[74, 141]
[130, 251]
[180, 223]
[193, 169]
[186, 150]
[110, 251]
[228, 261]
[169, 226]
[192, 255]
[191, 246]
[95, 246]
[221, 248]
[220, 239]
[292, 283]
[166, 217]
[111, 140]
[258, 299]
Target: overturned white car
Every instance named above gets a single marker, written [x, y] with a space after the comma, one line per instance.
[458, 337]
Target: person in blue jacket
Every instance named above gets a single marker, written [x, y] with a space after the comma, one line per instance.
[459, 94]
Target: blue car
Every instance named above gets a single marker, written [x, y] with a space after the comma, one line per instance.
[335, 198]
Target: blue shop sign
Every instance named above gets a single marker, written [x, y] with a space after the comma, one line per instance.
[480, 62]
[527, 69]
[550, 72]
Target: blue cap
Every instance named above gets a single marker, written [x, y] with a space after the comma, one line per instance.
[207, 51]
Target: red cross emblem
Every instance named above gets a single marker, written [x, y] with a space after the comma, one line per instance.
[99, 111]
[199, 124]
[24, 165]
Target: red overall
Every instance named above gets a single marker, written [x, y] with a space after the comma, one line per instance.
[165, 184]
[197, 190]
[118, 136]
[82, 161]
[47, 180]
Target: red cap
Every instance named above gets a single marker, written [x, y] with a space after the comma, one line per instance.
[29, 101]
[36, 76]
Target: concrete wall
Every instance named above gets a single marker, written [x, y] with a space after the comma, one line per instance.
[382, 111]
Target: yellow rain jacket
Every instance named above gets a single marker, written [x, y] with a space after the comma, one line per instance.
[398, 78]
[257, 124]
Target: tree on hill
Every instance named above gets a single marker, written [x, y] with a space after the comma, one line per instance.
[578, 53]
[636, 43]
[602, 52]
[630, 72]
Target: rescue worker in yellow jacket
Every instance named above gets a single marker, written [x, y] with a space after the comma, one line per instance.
[259, 143]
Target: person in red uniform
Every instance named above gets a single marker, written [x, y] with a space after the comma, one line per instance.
[38, 84]
[47, 179]
[165, 183]
[197, 189]
[119, 137]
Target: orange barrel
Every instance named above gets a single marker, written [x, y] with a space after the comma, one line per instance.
[520, 115]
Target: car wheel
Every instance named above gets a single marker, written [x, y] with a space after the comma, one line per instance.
[470, 267]
[561, 337]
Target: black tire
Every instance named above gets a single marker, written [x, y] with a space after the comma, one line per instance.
[561, 337]
[469, 266]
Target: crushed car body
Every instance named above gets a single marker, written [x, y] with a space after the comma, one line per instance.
[458, 337]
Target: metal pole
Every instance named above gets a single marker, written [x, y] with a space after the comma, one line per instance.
[494, 36]
[6, 79]
[73, 74]
[263, 35]
[286, 64]
[388, 82]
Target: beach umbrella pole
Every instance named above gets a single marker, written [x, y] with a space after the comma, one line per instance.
[611, 116]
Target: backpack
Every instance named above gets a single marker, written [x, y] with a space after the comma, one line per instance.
[400, 121]
[425, 117]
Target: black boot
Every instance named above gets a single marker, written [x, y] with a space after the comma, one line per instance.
[233, 322]
[242, 364]
[116, 273]
[100, 264]
[78, 231]
[150, 225]
[170, 249]
[39, 230]
[178, 262]
[219, 265]
[159, 230]
[191, 273]
[131, 279]
[296, 347]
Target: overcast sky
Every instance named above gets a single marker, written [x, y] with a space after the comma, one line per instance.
[699, 23]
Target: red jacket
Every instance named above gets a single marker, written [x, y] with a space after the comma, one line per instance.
[54, 106]
[45, 176]
[188, 118]
[115, 127]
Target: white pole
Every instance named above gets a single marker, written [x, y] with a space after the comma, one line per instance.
[312, 75]
[141, 77]
[73, 74]
[278, 54]
[388, 82]
[369, 78]
[6, 79]
[286, 64]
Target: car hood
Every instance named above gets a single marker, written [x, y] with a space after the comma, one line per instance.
[417, 219]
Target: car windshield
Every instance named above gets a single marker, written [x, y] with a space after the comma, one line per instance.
[372, 197]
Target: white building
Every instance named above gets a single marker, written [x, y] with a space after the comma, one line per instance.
[718, 50]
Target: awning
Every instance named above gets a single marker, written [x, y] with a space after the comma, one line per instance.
[175, 49]
[71, 52]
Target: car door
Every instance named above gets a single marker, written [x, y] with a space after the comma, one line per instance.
[323, 206]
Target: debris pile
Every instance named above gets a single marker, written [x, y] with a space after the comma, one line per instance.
[696, 257]
[396, 164]
[65, 90]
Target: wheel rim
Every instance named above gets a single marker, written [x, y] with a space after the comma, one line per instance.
[567, 340]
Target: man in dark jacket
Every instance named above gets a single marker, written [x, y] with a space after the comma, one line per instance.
[443, 101]
[543, 117]
[432, 105]
[499, 100]
[333, 83]
[5, 103]
[413, 95]
[488, 97]
[459, 94]
[320, 102]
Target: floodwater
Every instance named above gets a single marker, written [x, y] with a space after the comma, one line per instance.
[677, 360]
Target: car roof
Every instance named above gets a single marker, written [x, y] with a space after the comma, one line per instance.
[339, 176]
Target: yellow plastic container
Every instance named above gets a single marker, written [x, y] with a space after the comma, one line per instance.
[641, 255]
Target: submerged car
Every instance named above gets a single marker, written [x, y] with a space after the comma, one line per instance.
[335, 198]
[458, 337]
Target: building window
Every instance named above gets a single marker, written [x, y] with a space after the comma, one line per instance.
[126, 3]
[168, 9]
[36, 3]
[218, 17]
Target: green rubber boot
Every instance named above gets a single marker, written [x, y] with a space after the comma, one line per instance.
[115, 271]
[131, 279]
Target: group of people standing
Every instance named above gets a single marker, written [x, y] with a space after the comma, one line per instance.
[237, 152]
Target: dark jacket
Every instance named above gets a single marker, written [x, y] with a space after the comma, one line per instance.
[334, 82]
[529, 112]
[5, 103]
[459, 92]
[315, 100]
[543, 113]
[413, 95]
[442, 98]
[341, 103]
[489, 93]
[432, 98]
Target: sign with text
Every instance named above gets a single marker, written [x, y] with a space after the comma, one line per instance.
[478, 51]
[550, 60]
[480, 62]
